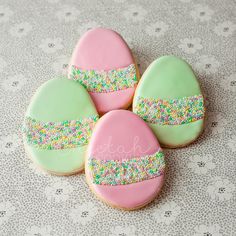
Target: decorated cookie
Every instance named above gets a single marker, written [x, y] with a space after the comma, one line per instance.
[169, 99]
[124, 163]
[58, 125]
[103, 63]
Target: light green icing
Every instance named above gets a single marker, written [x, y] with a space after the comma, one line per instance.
[177, 135]
[170, 77]
[59, 161]
[58, 100]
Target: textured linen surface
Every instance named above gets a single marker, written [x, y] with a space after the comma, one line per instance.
[36, 41]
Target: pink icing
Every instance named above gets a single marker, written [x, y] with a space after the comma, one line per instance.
[104, 49]
[103, 102]
[121, 134]
[132, 195]
[101, 49]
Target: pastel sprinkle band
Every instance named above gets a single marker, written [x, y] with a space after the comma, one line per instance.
[170, 112]
[126, 171]
[105, 81]
[58, 135]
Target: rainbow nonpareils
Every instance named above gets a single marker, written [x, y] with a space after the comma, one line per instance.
[115, 172]
[58, 135]
[105, 81]
[170, 112]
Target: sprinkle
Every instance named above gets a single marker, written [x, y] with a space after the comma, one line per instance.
[105, 81]
[126, 171]
[58, 135]
[170, 112]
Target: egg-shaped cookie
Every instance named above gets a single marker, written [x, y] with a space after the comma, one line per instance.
[124, 164]
[58, 125]
[169, 99]
[103, 63]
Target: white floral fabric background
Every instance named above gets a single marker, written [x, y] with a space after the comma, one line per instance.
[36, 41]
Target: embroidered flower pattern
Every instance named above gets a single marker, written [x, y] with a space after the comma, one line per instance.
[207, 64]
[84, 213]
[14, 83]
[201, 13]
[59, 191]
[60, 65]
[105, 81]
[216, 122]
[221, 189]
[123, 231]
[207, 230]
[170, 112]
[127, 171]
[5, 14]
[20, 30]
[225, 29]
[6, 211]
[9, 143]
[157, 29]
[201, 164]
[229, 83]
[134, 13]
[67, 14]
[190, 46]
[51, 45]
[203, 208]
[58, 135]
[166, 213]
[39, 231]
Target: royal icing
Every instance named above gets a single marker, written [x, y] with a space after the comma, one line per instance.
[58, 135]
[127, 171]
[57, 126]
[170, 112]
[104, 50]
[105, 81]
[171, 101]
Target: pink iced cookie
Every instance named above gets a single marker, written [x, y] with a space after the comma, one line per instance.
[103, 63]
[125, 164]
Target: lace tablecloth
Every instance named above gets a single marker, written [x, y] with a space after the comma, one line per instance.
[36, 41]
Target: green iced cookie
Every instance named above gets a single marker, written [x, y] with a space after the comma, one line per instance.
[58, 125]
[169, 99]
